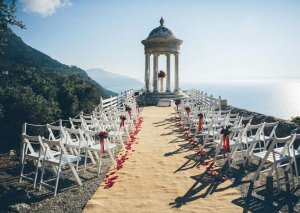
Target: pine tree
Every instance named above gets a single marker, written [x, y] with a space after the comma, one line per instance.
[7, 17]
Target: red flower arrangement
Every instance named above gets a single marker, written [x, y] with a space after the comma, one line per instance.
[225, 137]
[177, 102]
[138, 104]
[102, 135]
[128, 109]
[188, 111]
[122, 118]
[161, 74]
[200, 122]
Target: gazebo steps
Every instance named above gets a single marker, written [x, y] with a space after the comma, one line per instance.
[152, 98]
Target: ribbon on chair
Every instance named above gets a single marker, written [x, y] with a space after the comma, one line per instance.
[226, 147]
[101, 145]
[200, 122]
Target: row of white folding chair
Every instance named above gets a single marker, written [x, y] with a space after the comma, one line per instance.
[117, 131]
[251, 136]
[109, 121]
[283, 156]
[208, 117]
[134, 111]
[78, 140]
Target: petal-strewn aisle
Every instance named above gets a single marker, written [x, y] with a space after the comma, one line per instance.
[162, 176]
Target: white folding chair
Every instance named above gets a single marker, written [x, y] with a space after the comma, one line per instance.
[96, 148]
[28, 153]
[276, 159]
[268, 128]
[58, 161]
[250, 138]
[235, 143]
[212, 131]
[293, 153]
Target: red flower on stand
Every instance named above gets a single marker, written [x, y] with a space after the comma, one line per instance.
[102, 136]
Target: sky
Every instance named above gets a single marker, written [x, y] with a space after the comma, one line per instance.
[222, 39]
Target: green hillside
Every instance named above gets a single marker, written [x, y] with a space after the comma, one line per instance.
[35, 88]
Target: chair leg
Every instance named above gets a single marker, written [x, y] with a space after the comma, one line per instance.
[262, 163]
[291, 170]
[36, 174]
[85, 160]
[22, 170]
[294, 160]
[277, 175]
[42, 175]
[228, 161]
[112, 158]
[57, 179]
[217, 152]
[121, 141]
[241, 146]
[99, 167]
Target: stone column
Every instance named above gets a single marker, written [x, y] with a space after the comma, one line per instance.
[168, 89]
[176, 86]
[155, 72]
[147, 71]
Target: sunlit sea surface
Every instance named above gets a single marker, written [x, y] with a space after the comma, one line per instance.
[278, 98]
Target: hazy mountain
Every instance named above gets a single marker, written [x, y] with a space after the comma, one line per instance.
[112, 81]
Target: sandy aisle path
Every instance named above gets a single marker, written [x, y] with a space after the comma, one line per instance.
[161, 175]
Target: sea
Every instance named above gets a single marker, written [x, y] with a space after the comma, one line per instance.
[278, 98]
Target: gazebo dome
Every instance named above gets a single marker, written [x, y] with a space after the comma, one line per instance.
[161, 40]
[161, 32]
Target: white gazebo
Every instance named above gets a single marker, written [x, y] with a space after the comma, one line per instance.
[161, 41]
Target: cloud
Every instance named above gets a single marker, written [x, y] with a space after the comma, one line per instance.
[44, 7]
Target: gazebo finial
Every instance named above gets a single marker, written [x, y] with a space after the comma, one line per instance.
[162, 21]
